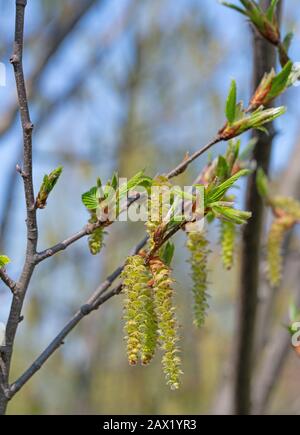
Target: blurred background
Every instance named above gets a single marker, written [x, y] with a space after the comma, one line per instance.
[125, 85]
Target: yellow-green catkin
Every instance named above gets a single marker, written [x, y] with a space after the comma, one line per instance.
[139, 314]
[95, 239]
[167, 323]
[289, 205]
[274, 247]
[228, 233]
[198, 247]
[149, 327]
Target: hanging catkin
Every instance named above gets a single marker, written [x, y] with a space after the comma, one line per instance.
[198, 247]
[167, 324]
[228, 233]
[139, 314]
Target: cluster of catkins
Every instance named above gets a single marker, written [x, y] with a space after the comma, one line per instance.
[150, 315]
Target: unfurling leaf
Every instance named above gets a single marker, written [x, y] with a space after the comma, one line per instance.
[90, 199]
[271, 86]
[47, 186]
[265, 21]
[217, 193]
[4, 260]
[167, 253]
[255, 120]
[231, 103]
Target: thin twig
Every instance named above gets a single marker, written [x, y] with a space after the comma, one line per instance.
[10, 283]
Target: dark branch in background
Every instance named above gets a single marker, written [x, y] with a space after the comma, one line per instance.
[276, 354]
[264, 60]
[278, 346]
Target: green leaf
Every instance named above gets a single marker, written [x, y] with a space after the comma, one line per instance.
[236, 8]
[168, 253]
[288, 40]
[236, 216]
[279, 83]
[4, 260]
[90, 198]
[262, 183]
[270, 13]
[139, 179]
[231, 103]
[114, 181]
[49, 181]
[218, 192]
[222, 168]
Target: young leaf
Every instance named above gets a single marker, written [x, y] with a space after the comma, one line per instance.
[235, 216]
[222, 168]
[236, 8]
[4, 260]
[270, 13]
[114, 181]
[231, 103]
[168, 253]
[139, 179]
[90, 198]
[47, 186]
[218, 192]
[279, 83]
[288, 40]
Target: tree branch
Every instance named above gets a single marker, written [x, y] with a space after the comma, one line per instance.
[264, 61]
[31, 223]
